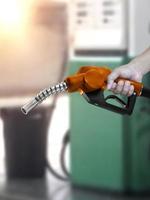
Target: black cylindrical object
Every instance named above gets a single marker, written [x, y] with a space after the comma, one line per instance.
[25, 140]
[146, 92]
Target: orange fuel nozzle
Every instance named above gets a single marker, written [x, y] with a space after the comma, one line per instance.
[91, 81]
[90, 78]
[87, 79]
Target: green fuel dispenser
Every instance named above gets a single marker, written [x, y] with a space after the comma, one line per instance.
[109, 151]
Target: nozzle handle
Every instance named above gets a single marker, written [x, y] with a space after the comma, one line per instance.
[137, 85]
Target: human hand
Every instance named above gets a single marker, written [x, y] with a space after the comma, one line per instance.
[128, 71]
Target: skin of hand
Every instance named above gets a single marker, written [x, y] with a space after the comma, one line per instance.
[134, 70]
[129, 71]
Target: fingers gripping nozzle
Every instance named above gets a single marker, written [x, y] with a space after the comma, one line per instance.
[41, 96]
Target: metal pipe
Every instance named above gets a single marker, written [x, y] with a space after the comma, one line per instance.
[41, 96]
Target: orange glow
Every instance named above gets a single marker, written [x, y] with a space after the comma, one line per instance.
[13, 15]
[10, 14]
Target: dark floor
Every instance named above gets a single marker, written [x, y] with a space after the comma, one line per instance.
[50, 188]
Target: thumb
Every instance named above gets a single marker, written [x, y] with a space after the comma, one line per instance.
[113, 76]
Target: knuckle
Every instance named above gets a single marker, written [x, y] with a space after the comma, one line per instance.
[119, 88]
[121, 83]
[126, 89]
[114, 85]
[127, 83]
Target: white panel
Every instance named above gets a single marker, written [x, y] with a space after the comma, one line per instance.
[99, 24]
[139, 26]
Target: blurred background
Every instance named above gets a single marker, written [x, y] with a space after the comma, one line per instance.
[41, 42]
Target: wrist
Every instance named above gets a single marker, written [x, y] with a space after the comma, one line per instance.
[139, 66]
[142, 65]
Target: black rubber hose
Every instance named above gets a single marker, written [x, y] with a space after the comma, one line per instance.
[54, 173]
[146, 92]
[66, 140]
[62, 161]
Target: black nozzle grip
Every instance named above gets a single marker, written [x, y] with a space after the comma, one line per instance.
[145, 92]
[97, 98]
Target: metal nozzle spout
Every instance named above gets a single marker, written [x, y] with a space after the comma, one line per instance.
[29, 106]
[61, 87]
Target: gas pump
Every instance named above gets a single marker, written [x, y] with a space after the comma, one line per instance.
[109, 151]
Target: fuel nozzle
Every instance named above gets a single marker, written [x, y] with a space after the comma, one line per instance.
[87, 81]
[41, 96]
[84, 80]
